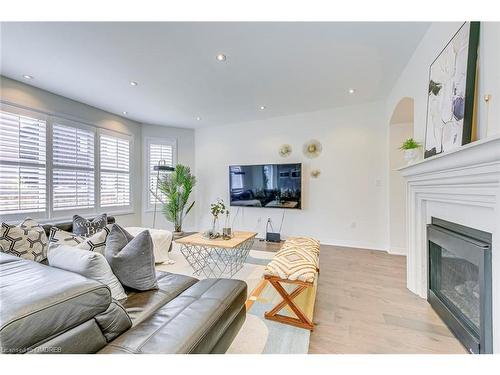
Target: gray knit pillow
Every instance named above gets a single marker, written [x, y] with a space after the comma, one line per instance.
[131, 258]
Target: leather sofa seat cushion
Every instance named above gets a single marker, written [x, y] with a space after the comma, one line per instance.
[141, 305]
[193, 322]
[43, 302]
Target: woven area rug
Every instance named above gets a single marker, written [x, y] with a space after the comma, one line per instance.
[258, 335]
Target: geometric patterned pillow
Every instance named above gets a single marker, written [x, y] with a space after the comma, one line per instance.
[26, 240]
[96, 243]
[61, 237]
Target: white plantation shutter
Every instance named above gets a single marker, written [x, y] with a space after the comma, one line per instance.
[73, 167]
[115, 170]
[158, 152]
[22, 164]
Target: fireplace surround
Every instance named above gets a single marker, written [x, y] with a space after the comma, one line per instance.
[459, 284]
[463, 187]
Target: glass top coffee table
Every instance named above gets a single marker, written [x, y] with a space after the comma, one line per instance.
[216, 257]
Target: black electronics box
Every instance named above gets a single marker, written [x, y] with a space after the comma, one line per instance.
[273, 237]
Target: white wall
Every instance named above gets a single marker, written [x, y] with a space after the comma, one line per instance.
[18, 93]
[398, 133]
[414, 80]
[185, 155]
[343, 206]
[413, 83]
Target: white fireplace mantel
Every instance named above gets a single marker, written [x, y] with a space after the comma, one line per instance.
[461, 186]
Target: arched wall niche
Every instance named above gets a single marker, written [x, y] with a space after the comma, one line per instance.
[400, 129]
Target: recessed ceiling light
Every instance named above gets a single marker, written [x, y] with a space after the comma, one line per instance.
[27, 76]
[262, 107]
[221, 57]
[352, 91]
[133, 83]
[198, 118]
[125, 112]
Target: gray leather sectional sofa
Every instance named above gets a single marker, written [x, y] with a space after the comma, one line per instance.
[49, 310]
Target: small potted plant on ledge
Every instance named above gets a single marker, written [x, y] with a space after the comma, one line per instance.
[176, 188]
[410, 147]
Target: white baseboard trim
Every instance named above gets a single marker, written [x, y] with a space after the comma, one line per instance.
[355, 244]
[397, 251]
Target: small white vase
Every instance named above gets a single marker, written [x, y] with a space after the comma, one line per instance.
[411, 155]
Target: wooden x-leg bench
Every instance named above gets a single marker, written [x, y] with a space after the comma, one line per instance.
[302, 321]
[297, 263]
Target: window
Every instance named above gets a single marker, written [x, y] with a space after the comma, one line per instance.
[114, 170]
[52, 168]
[73, 167]
[158, 150]
[23, 186]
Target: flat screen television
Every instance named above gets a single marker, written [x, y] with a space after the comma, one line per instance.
[266, 185]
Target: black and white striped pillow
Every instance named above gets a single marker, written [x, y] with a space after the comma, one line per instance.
[96, 243]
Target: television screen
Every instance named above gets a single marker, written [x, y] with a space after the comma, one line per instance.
[267, 185]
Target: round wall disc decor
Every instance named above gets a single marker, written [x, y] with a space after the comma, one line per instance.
[285, 150]
[312, 149]
[315, 173]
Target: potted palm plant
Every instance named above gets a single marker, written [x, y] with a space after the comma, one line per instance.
[176, 188]
[410, 147]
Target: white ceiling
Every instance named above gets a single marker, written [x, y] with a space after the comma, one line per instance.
[287, 67]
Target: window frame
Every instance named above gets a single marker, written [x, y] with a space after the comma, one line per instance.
[116, 210]
[65, 213]
[42, 117]
[147, 142]
[50, 214]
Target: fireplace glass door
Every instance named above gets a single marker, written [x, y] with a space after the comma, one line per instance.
[455, 280]
[460, 281]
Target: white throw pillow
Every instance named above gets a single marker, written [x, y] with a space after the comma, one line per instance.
[26, 240]
[96, 242]
[86, 263]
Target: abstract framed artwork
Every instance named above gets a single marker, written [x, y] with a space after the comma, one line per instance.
[451, 91]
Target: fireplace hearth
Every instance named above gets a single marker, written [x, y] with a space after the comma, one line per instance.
[459, 285]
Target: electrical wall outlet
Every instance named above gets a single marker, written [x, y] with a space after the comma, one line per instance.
[354, 225]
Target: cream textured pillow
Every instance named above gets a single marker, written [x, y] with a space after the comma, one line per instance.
[26, 240]
[96, 243]
[86, 263]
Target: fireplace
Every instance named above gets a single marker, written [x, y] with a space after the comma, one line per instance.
[459, 285]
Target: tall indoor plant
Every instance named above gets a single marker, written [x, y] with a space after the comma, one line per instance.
[176, 188]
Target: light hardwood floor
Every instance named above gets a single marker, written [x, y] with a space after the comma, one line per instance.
[363, 306]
